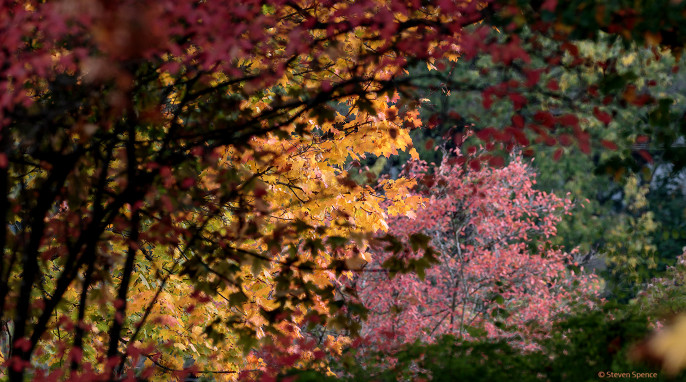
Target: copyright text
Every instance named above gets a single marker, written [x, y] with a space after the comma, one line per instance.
[633, 375]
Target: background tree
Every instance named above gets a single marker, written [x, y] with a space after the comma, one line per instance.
[498, 273]
[646, 137]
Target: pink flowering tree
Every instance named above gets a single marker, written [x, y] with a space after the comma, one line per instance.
[498, 272]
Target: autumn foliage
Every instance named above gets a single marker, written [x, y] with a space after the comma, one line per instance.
[498, 272]
[175, 179]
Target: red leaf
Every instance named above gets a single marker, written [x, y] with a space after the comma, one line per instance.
[326, 86]
[17, 364]
[645, 155]
[475, 164]
[521, 138]
[496, 161]
[571, 48]
[485, 134]
[558, 154]
[584, 146]
[260, 190]
[429, 145]
[187, 183]
[75, 355]
[570, 120]
[518, 121]
[500, 90]
[608, 144]
[532, 77]
[553, 60]
[429, 180]
[602, 116]
[577, 61]
[593, 90]
[549, 5]
[565, 139]
[642, 100]
[518, 100]
[553, 85]
[544, 118]
[433, 121]
[486, 101]
[518, 135]
[23, 343]
[642, 139]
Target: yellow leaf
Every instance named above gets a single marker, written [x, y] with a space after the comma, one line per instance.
[669, 345]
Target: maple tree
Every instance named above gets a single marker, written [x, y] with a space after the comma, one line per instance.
[498, 272]
[155, 201]
[174, 174]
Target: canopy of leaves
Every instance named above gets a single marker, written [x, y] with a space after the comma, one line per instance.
[174, 175]
[498, 273]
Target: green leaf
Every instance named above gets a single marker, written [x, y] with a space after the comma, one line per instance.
[419, 240]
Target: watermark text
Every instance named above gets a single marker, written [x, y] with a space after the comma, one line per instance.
[632, 375]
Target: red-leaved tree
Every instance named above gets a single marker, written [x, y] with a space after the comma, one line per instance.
[498, 271]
